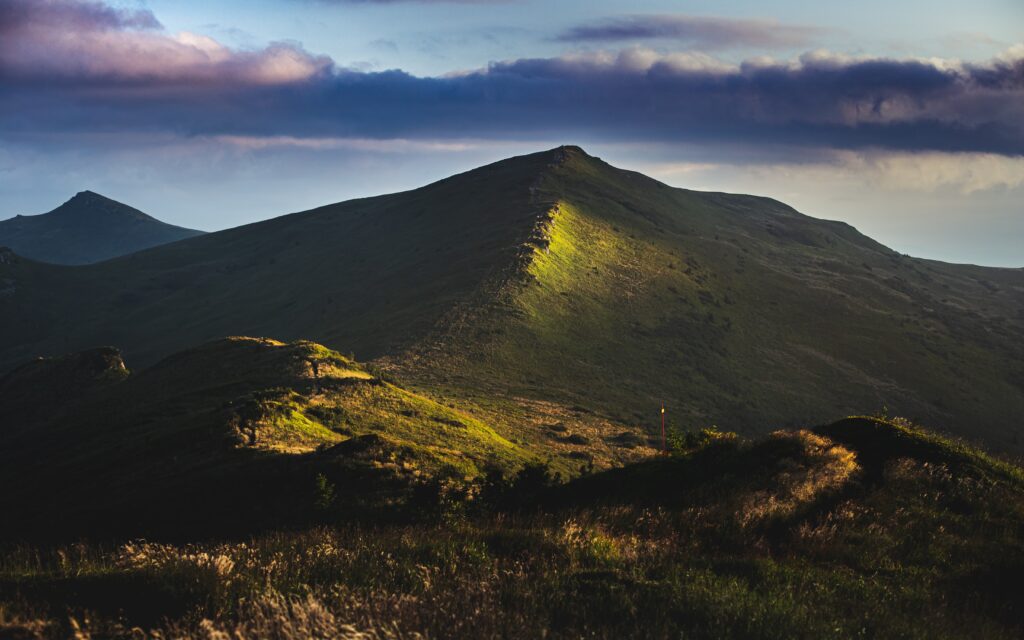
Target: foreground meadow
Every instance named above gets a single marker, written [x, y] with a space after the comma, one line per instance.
[873, 529]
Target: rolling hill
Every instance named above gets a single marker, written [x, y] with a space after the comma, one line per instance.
[87, 228]
[554, 283]
[233, 430]
[225, 432]
[525, 321]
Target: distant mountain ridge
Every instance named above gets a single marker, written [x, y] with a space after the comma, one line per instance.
[87, 228]
[554, 282]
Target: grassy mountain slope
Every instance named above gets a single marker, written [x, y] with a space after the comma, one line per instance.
[184, 438]
[87, 228]
[741, 311]
[864, 528]
[556, 281]
[41, 389]
[370, 275]
[237, 430]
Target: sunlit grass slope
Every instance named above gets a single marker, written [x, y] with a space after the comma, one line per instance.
[370, 275]
[187, 435]
[556, 278]
[740, 311]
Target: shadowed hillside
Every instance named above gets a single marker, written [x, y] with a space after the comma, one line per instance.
[370, 275]
[231, 436]
[87, 228]
[219, 436]
[557, 281]
[742, 311]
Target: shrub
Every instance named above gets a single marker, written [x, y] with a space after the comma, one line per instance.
[683, 442]
[499, 492]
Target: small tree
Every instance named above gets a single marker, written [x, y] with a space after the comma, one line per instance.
[323, 493]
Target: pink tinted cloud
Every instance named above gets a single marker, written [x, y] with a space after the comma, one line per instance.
[86, 41]
[72, 14]
[117, 72]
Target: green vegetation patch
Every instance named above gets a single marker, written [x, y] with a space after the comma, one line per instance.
[881, 440]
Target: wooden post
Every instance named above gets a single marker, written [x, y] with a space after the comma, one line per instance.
[664, 443]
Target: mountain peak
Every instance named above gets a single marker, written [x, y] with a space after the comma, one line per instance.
[553, 267]
[88, 196]
[88, 227]
[571, 148]
[567, 151]
[93, 204]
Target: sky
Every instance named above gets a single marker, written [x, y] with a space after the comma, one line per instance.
[904, 119]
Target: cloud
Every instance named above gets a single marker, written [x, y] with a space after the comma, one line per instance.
[413, 1]
[700, 32]
[89, 42]
[391, 145]
[117, 76]
[961, 174]
[71, 14]
[964, 173]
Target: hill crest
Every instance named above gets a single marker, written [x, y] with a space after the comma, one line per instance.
[556, 278]
[92, 203]
[85, 229]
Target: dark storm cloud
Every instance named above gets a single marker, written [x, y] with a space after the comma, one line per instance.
[193, 86]
[700, 32]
